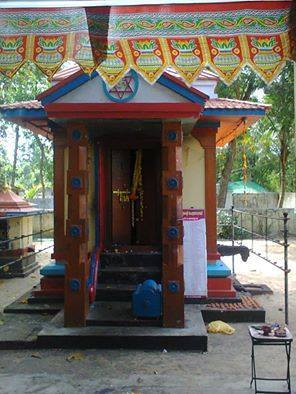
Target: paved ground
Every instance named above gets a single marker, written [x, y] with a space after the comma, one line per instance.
[224, 369]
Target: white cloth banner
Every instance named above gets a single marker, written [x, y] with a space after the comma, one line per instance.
[195, 253]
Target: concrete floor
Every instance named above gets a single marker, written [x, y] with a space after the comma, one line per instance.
[224, 369]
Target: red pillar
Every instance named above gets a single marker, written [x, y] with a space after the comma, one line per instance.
[217, 286]
[207, 138]
[77, 267]
[59, 144]
[172, 226]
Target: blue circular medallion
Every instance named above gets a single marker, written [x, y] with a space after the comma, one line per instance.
[76, 182]
[172, 183]
[124, 90]
[75, 284]
[75, 231]
[172, 136]
[76, 135]
[173, 232]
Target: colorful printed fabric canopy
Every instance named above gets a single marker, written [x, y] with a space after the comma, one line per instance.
[188, 37]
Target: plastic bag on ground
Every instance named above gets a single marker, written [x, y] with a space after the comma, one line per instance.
[219, 327]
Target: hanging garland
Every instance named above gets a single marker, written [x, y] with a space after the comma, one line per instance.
[137, 191]
[245, 161]
[187, 37]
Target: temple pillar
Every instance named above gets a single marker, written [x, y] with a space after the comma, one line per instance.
[206, 135]
[76, 250]
[172, 227]
[219, 275]
[59, 145]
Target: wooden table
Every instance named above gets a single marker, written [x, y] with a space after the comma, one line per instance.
[258, 339]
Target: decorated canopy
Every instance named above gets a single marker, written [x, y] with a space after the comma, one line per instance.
[188, 37]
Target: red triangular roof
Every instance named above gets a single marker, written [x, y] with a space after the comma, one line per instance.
[11, 202]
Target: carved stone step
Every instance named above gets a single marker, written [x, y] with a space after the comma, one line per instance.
[132, 275]
[106, 313]
[130, 259]
[114, 292]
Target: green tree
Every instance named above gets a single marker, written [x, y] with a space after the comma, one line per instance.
[279, 124]
[242, 89]
[24, 86]
[268, 144]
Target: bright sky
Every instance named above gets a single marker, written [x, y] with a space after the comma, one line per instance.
[8, 142]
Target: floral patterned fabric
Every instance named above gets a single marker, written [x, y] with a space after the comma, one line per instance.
[112, 40]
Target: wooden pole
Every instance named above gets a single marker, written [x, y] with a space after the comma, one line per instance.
[172, 226]
[59, 144]
[77, 267]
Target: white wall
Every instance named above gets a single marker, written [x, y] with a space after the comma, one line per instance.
[193, 173]
[208, 87]
[92, 92]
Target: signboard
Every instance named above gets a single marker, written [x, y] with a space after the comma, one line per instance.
[195, 253]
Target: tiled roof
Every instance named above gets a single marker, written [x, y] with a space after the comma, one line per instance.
[204, 75]
[225, 103]
[66, 72]
[214, 103]
[73, 68]
[33, 104]
[11, 202]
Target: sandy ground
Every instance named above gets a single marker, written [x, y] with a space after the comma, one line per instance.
[224, 369]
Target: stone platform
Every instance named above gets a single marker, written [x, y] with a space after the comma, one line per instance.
[192, 337]
[247, 310]
[106, 313]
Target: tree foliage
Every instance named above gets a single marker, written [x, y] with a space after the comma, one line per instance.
[270, 142]
[32, 160]
[242, 89]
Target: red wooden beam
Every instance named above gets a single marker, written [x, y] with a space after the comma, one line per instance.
[123, 111]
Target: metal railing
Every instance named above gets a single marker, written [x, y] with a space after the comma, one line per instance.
[7, 244]
[240, 231]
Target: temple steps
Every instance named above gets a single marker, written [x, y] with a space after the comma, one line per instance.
[131, 259]
[108, 313]
[121, 270]
[129, 275]
[147, 335]
[114, 292]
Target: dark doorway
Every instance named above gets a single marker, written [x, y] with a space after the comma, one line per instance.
[135, 196]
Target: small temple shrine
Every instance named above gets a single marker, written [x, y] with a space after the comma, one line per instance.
[134, 188]
[17, 258]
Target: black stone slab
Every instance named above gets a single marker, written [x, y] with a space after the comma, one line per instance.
[45, 300]
[234, 316]
[117, 314]
[192, 337]
[131, 259]
[22, 305]
[257, 289]
[114, 292]
[251, 288]
[129, 274]
[198, 300]
[19, 269]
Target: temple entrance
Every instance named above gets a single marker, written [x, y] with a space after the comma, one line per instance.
[135, 196]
